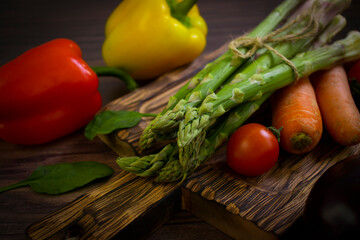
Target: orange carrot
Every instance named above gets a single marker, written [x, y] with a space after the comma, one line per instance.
[340, 115]
[296, 110]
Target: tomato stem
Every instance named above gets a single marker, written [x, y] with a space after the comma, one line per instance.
[275, 131]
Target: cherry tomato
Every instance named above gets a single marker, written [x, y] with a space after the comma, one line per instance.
[354, 71]
[252, 150]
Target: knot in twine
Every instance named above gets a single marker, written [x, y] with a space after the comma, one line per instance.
[255, 43]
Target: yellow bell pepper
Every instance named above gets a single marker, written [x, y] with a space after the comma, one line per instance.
[148, 38]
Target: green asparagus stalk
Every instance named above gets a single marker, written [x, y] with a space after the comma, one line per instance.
[326, 13]
[148, 137]
[222, 130]
[229, 123]
[148, 165]
[334, 27]
[168, 166]
[219, 71]
[218, 134]
[322, 13]
[215, 105]
[173, 170]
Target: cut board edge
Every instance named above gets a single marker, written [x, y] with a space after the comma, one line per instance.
[215, 214]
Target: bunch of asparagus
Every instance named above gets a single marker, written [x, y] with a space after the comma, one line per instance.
[222, 96]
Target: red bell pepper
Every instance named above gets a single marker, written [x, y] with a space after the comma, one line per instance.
[47, 92]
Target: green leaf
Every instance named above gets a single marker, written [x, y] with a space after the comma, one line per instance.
[108, 121]
[63, 177]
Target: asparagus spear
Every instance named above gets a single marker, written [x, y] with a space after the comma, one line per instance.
[173, 171]
[215, 105]
[219, 133]
[219, 71]
[334, 27]
[148, 137]
[168, 166]
[324, 13]
[184, 140]
[148, 165]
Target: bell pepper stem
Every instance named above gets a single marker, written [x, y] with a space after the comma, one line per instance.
[184, 6]
[179, 10]
[116, 72]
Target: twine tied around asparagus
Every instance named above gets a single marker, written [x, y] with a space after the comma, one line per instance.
[255, 43]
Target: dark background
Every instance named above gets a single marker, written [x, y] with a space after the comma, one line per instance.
[27, 23]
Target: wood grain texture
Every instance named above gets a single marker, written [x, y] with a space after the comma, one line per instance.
[272, 201]
[25, 24]
[216, 214]
[113, 207]
[197, 229]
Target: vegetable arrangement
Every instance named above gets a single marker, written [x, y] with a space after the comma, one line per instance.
[54, 91]
[291, 64]
[203, 114]
[211, 78]
[50, 91]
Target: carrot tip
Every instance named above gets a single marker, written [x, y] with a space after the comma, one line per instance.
[301, 141]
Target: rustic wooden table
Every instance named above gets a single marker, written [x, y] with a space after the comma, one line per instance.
[26, 24]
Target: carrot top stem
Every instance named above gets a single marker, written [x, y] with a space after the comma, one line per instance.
[301, 141]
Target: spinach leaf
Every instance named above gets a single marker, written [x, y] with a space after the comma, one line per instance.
[63, 177]
[108, 121]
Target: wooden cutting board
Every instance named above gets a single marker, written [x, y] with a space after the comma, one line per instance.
[243, 207]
